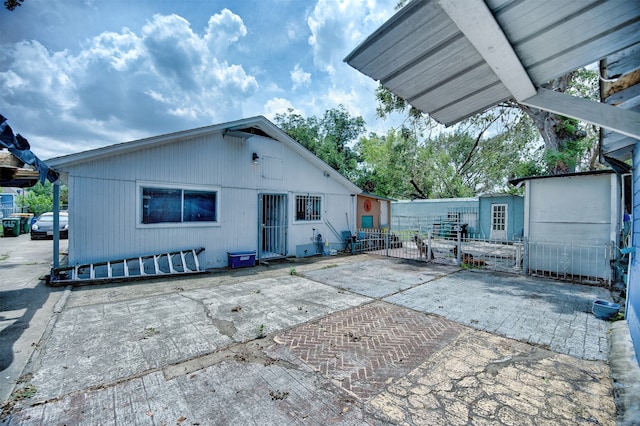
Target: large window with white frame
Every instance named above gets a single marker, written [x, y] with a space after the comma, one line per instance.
[168, 204]
[308, 207]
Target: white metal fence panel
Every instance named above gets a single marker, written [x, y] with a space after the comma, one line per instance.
[582, 263]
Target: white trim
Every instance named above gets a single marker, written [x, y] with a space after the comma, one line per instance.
[163, 185]
[497, 234]
[617, 119]
[475, 21]
[294, 214]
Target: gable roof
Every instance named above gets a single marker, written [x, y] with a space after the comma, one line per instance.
[244, 128]
[453, 59]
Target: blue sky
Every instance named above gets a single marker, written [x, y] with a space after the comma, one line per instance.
[80, 74]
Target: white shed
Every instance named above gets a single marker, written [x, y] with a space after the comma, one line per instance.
[571, 222]
[238, 186]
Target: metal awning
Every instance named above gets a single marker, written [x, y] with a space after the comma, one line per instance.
[453, 59]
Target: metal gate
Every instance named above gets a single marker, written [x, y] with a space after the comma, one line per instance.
[581, 263]
[272, 233]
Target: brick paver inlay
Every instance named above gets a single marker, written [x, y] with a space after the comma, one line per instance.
[365, 347]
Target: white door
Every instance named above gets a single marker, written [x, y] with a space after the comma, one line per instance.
[498, 222]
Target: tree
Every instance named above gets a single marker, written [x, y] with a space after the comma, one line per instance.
[39, 198]
[328, 137]
[12, 4]
[568, 144]
[443, 165]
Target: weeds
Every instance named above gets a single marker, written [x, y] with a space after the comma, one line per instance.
[149, 332]
[23, 393]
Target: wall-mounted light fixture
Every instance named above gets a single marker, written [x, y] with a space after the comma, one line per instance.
[254, 158]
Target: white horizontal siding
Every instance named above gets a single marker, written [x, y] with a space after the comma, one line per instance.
[104, 222]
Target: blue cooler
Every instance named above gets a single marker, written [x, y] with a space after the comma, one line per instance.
[241, 259]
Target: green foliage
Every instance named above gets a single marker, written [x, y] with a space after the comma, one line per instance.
[574, 142]
[483, 152]
[328, 137]
[423, 159]
[428, 161]
[39, 198]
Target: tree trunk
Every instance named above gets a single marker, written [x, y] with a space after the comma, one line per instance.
[547, 123]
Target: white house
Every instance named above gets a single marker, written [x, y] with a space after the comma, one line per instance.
[572, 222]
[238, 186]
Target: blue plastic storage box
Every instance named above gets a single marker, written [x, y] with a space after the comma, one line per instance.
[241, 259]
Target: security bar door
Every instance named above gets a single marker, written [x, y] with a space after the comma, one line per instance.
[272, 226]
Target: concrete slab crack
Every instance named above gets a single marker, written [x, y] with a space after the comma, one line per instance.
[226, 328]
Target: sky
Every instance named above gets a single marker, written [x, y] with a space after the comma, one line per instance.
[81, 74]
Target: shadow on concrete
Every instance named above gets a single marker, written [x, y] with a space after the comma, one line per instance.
[28, 300]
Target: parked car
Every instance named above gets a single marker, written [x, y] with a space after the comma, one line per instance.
[43, 226]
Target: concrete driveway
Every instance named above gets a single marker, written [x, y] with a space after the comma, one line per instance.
[340, 340]
[26, 303]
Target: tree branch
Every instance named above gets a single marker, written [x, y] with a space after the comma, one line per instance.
[476, 143]
[420, 192]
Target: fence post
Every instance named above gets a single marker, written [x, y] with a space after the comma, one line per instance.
[429, 248]
[386, 241]
[525, 255]
[458, 230]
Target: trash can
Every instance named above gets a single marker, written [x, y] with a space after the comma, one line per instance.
[25, 221]
[11, 226]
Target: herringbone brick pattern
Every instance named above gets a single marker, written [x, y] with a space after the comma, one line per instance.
[365, 346]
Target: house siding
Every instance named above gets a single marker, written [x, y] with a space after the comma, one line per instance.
[633, 289]
[577, 209]
[515, 215]
[104, 197]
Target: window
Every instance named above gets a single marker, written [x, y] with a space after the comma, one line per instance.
[175, 205]
[308, 207]
[452, 217]
[498, 217]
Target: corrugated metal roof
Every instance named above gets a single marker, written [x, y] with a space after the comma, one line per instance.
[421, 55]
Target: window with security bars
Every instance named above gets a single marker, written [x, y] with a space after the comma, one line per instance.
[308, 207]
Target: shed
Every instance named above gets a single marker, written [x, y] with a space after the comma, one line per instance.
[438, 215]
[501, 217]
[572, 221]
[233, 187]
[374, 211]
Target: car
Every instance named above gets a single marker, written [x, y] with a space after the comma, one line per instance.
[43, 226]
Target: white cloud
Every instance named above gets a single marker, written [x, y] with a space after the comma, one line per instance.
[162, 73]
[338, 25]
[224, 29]
[163, 79]
[299, 77]
[279, 106]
